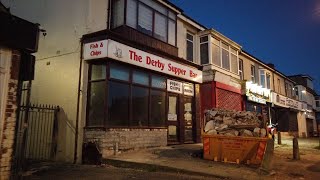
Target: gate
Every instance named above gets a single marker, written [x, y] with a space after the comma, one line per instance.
[36, 131]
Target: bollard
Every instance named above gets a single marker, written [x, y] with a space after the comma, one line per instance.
[296, 154]
[279, 137]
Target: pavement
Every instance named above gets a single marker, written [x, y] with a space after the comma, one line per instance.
[185, 162]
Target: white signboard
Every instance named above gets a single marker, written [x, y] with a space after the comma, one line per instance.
[188, 89]
[257, 93]
[95, 50]
[174, 86]
[140, 58]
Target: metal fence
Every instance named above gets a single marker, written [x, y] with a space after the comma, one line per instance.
[36, 131]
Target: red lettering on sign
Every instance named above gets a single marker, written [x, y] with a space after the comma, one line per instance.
[192, 74]
[155, 63]
[93, 46]
[95, 53]
[134, 56]
[176, 70]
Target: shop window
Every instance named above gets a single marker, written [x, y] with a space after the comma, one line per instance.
[139, 101]
[158, 82]
[118, 104]
[158, 106]
[139, 77]
[189, 46]
[96, 105]
[148, 17]
[140, 106]
[119, 72]
[96, 102]
[241, 69]
[204, 52]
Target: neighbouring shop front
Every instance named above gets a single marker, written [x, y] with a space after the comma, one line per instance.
[257, 99]
[289, 114]
[137, 99]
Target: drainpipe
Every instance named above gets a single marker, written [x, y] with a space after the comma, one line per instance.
[78, 109]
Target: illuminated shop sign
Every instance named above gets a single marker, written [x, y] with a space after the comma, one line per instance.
[257, 93]
[127, 54]
[283, 101]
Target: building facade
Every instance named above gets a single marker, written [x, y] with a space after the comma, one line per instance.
[18, 40]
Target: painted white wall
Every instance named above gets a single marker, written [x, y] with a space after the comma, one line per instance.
[58, 57]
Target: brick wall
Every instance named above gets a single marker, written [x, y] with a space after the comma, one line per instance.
[126, 139]
[9, 124]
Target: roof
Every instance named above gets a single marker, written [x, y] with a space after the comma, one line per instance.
[273, 69]
[302, 75]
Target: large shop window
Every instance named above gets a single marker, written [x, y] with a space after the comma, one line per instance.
[147, 16]
[96, 96]
[128, 98]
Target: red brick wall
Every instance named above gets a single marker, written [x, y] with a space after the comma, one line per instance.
[7, 140]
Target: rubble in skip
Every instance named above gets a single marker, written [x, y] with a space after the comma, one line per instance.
[233, 123]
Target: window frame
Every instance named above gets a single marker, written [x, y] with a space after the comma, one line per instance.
[268, 81]
[241, 69]
[208, 54]
[131, 84]
[139, 3]
[253, 73]
[229, 50]
[191, 41]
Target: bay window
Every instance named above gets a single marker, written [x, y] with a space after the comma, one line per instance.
[120, 96]
[224, 56]
[147, 16]
[268, 81]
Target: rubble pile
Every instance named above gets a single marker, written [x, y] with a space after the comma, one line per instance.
[233, 123]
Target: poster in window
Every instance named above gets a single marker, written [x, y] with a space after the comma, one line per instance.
[187, 107]
[172, 130]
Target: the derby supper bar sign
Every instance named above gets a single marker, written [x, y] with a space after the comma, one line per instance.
[140, 58]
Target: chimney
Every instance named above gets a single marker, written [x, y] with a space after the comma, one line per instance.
[270, 65]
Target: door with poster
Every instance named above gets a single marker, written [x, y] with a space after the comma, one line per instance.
[188, 119]
[173, 119]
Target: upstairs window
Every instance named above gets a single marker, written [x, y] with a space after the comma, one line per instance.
[224, 56]
[268, 81]
[241, 69]
[147, 16]
[279, 86]
[189, 49]
[262, 78]
[204, 50]
[253, 73]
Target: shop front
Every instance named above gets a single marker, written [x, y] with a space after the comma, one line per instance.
[289, 114]
[137, 99]
[257, 99]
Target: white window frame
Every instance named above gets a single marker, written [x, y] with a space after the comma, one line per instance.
[230, 53]
[263, 73]
[253, 73]
[268, 74]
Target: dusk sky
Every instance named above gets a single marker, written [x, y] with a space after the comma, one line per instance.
[283, 32]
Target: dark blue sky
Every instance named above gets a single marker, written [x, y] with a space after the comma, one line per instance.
[283, 32]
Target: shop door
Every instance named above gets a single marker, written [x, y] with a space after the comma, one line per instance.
[173, 119]
[188, 120]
